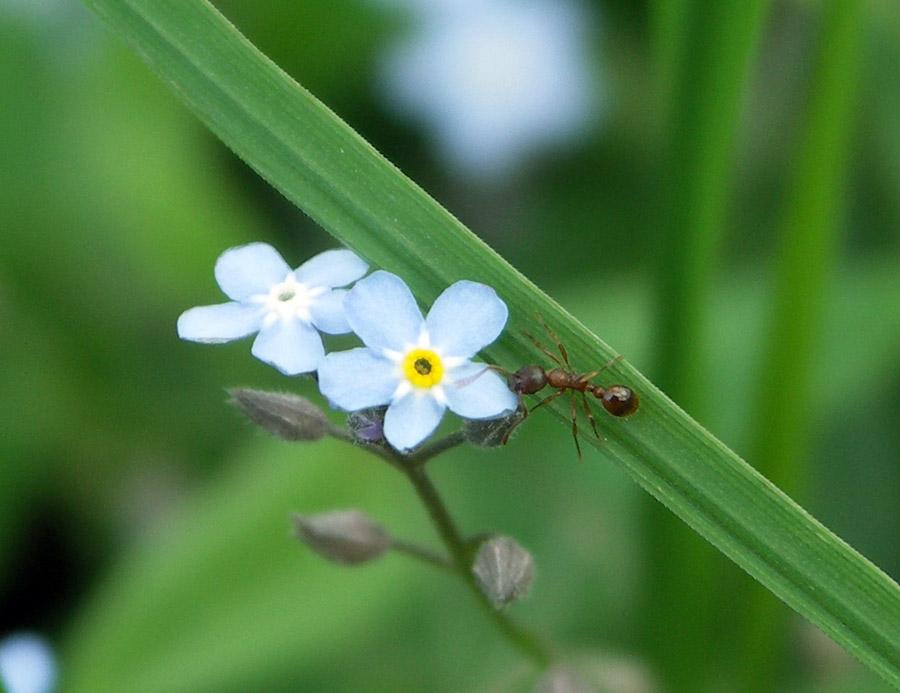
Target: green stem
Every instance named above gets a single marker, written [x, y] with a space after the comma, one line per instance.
[401, 462]
[387, 454]
[413, 467]
[422, 554]
[517, 636]
[423, 454]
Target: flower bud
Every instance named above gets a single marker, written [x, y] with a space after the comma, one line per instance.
[598, 671]
[347, 537]
[285, 416]
[491, 433]
[504, 570]
[562, 680]
[367, 425]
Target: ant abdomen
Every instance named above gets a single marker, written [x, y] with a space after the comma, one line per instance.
[618, 400]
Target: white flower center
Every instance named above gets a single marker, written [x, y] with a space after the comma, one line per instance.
[290, 300]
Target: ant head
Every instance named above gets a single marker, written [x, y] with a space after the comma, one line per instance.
[619, 400]
[527, 380]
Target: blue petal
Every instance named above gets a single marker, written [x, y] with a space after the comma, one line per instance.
[220, 323]
[328, 312]
[356, 379]
[383, 313]
[476, 392]
[251, 269]
[411, 419]
[291, 345]
[331, 268]
[465, 318]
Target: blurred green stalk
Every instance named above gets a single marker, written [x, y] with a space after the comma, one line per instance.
[814, 219]
[703, 50]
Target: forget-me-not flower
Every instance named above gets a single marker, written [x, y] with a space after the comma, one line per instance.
[418, 367]
[287, 308]
[496, 81]
[27, 664]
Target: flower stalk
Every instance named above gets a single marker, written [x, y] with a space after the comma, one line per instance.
[461, 553]
[519, 637]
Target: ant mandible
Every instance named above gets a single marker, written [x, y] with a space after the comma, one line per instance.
[618, 400]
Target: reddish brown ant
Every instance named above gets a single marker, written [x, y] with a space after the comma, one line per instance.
[618, 400]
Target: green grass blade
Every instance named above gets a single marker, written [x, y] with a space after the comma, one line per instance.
[810, 237]
[701, 84]
[701, 103]
[315, 160]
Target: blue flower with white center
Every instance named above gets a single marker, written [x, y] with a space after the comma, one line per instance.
[287, 308]
[418, 367]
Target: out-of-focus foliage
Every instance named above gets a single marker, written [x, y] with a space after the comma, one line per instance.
[122, 469]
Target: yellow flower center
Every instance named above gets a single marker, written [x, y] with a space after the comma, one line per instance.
[423, 368]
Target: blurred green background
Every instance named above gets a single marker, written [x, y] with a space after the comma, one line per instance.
[144, 529]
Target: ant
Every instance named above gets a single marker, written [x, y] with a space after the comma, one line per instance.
[618, 400]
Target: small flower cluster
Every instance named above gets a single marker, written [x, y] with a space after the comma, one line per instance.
[417, 367]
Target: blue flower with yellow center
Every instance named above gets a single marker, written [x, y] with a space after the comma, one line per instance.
[418, 367]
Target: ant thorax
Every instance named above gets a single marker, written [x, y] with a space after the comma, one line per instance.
[560, 378]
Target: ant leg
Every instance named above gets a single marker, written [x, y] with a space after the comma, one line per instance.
[559, 344]
[547, 399]
[546, 351]
[590, 417]
[505, 372]
[587, 377]
[465, 382]
[526, 411]
[557, 394]
[521, 408]
[609, 363]
[575, 429]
